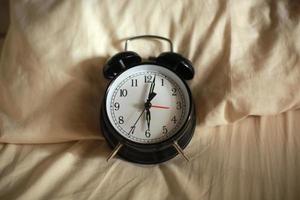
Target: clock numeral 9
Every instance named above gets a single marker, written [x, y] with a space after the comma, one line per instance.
[117, 106]
[121, 120]
[174, 92]
[148, 79]
[123, 92]
[174, 120]
[147, 133]
[164, 130]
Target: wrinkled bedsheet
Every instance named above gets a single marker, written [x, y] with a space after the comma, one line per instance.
[246, 57]
[245, 54]
[256, 158]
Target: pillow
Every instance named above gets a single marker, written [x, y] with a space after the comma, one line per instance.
[245, 54]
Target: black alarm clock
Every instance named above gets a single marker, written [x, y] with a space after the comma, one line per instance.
[148, 113]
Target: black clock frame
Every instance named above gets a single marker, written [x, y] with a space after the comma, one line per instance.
[151, 153]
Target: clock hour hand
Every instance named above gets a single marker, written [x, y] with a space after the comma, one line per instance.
[153, 84]
[151, 94]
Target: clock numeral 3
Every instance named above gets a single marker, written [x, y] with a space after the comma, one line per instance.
[121, 120]
[147, 133]
[123, 92]
[178, 105]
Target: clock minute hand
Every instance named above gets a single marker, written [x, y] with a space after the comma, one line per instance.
[147, 108]
[148, 118]
[133, 127]
[151, 95]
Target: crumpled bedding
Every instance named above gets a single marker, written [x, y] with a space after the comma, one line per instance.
[256, 158]
[246, 57]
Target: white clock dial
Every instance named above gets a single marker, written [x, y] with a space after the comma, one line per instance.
[126, 98]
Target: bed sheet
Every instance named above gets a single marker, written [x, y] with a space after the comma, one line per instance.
[257, 158]
[245, 54]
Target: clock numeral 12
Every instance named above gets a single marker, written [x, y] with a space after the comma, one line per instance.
[148, 79]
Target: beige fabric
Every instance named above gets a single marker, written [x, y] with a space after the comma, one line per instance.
[254, 159]
[246, 56]
[51, 86]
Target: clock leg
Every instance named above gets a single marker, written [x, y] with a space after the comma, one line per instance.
[114, 152]
[180, 151]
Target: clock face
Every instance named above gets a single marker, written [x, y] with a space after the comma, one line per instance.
[147, 104]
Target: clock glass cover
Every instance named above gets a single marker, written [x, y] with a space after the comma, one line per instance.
[158, 120]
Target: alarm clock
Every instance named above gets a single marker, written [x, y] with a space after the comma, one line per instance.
[148, 114]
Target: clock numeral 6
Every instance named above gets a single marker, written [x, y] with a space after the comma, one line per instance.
[121, 120]
[123, 92]
[117, 106]
[164, 130]
[147, 133]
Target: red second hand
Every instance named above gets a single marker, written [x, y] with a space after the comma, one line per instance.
[163, 107]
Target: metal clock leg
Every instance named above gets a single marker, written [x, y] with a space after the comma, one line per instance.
[180, 151]
[114, 152]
